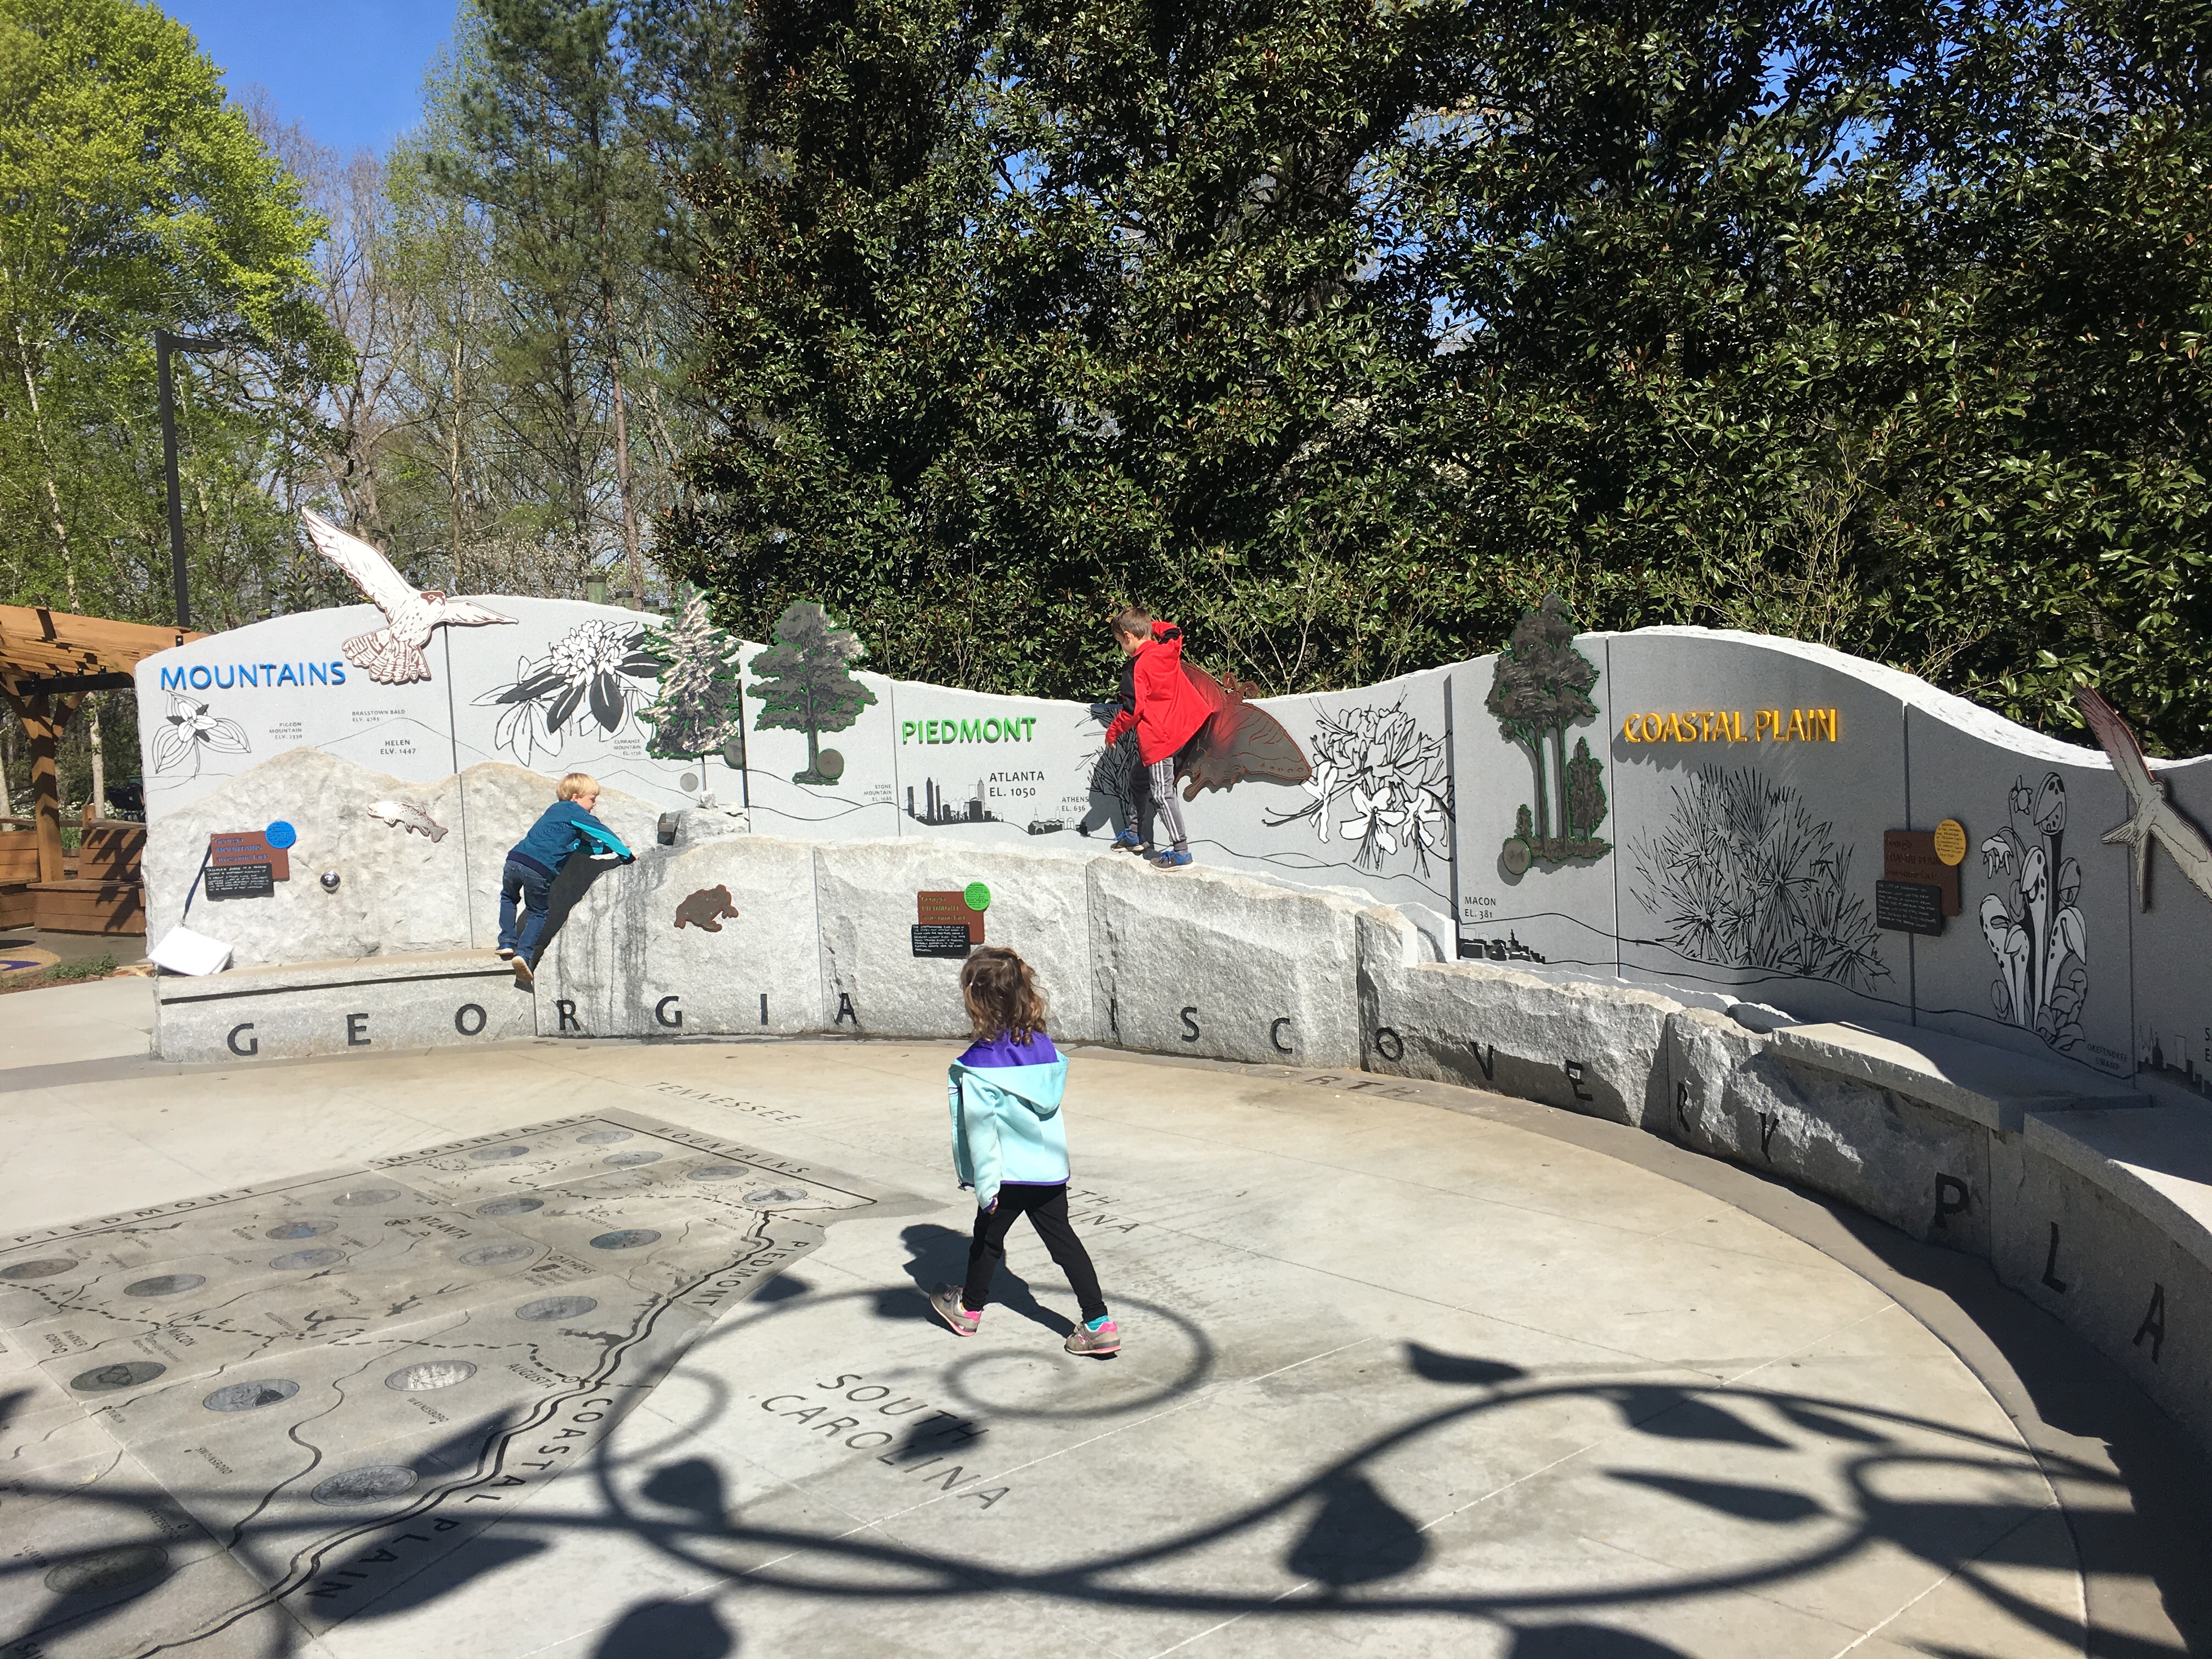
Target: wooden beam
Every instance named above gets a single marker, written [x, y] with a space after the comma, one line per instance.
[73, 684]
[35, 641]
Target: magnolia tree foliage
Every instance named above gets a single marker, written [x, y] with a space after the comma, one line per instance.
[1343, 332]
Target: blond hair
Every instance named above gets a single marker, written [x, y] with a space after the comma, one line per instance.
[1134, 623]
[575, 784]
[1002, 995]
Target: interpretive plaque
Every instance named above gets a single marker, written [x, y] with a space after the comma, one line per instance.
[230, 881]
[1908, 907]
[1915, 856]
[250, 847]
[938, 938]
[950, 910]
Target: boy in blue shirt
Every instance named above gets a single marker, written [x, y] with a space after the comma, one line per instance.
[1010, 1144]
[561, 829]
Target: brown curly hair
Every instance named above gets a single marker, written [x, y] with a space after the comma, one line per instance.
[1001, 994]
[1135, 624]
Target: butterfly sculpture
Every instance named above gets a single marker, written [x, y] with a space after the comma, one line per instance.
[2151, 816]
[1238, 741]
[393, 653]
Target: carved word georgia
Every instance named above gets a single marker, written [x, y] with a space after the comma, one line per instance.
[1015, 729]
[1726, 726]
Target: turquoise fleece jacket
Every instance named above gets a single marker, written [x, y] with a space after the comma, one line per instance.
[1007, 1126]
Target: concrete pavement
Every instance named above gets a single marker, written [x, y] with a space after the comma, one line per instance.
[1409, 1369]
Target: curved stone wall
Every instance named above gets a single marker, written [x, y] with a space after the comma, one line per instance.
[1668, 911]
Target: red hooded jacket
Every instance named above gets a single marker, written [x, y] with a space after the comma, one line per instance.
[1169, 708]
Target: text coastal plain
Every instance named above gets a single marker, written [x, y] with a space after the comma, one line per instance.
[1726, 726]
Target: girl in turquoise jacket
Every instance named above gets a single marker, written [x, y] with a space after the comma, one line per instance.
[1010, 1144]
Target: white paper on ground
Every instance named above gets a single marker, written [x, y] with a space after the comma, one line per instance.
[183, 952]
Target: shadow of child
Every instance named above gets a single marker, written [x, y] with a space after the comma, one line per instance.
[938, 1255]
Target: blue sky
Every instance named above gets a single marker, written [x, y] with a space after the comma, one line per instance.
[351, 71]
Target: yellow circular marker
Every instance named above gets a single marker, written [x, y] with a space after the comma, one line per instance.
[1951, 841]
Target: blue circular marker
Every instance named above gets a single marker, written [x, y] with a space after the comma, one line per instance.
[280, 834]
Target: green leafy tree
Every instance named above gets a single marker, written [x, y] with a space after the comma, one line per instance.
[133, 196]
[1345, 333]
[542, 145]
[1586, 804]
[1048, 304]
[804, 684]
[700, 706]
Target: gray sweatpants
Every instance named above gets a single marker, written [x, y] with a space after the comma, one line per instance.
[1162, 773]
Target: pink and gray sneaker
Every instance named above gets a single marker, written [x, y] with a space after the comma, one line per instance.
[945, 1302]
[1098, 1339]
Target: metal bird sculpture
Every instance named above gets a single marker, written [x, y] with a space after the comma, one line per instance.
[393, 653]
[2151, 816]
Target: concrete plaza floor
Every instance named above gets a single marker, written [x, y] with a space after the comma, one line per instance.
[1409, 1371]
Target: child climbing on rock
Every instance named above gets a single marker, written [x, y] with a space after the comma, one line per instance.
[561, 829]
[1166, 709]
[1010, 1144]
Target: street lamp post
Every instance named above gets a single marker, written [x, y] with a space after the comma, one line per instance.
[164, 343]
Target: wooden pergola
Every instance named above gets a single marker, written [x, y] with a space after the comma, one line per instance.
[48, 660]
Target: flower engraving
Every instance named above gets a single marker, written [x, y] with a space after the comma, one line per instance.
[1377, 766]
[190, 729]
[2034, 923]
[597, 674]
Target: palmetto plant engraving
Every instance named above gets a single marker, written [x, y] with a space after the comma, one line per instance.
[2034, 921]
[1742, 874]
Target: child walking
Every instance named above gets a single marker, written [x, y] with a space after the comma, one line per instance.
[1010, 1144]
[532, 862]
[1160, 700]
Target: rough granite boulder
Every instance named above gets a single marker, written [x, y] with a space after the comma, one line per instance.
[1733, 1095]
[717, 939]
[1216, 964]
[424, 878]
[1039, 905]
[1583, 1046]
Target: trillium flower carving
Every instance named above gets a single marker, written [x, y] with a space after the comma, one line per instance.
[1379, 768]
[598, 674]
[2033, 922]
[189, 730]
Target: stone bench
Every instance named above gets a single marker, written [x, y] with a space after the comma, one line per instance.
[351, 1005]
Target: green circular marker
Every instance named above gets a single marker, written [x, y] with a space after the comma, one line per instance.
[978, 895]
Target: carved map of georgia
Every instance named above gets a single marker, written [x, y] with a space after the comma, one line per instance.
[310, 1390]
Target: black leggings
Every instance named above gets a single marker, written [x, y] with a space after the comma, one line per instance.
[1047, 1209]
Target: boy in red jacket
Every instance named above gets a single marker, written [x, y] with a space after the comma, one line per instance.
[1157, 699]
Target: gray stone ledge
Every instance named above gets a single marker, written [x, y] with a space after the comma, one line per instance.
[1992, 1087]
[2154, 1160]
[270, 979]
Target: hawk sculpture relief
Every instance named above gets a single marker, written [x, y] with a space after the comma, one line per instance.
[2151, 816]
[393, 653]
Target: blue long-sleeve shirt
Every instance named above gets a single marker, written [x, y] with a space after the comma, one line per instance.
[561, 831]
